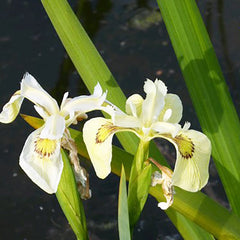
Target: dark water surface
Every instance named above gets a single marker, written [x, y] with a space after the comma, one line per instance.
[133, 52]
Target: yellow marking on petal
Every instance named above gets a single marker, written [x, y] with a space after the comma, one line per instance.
[105, 131]
[45, 147]
[185, 146]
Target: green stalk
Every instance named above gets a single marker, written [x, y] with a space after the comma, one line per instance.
[139, 159]
[139, 183]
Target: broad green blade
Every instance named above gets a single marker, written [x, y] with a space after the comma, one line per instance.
[89, 63]
[69, 200]
[86, 58]
[195, 206]
[208, 90]
[123, 218]
[188, 229]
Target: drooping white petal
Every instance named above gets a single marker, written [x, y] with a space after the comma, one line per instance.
[154, 101]
[54, 127]
[193, 155]
[41, 160]
[11, 108]
[97, 135]
[32, 90]
[134, 105]
[173, 103]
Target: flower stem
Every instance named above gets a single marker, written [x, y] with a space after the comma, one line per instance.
[139, 183]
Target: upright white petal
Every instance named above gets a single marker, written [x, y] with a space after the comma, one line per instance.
[97, 92]
[64, 100]
[31, 90]
[134, 105]
[154, 102]
[54, 127]
[42, 161]
[11, 108]
[173, 103]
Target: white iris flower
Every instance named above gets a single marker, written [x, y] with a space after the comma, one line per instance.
[41, 158]
[156, 116]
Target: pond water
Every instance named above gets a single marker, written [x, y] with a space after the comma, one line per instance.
[133, 51]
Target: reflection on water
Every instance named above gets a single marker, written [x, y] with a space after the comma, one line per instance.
[28, 43]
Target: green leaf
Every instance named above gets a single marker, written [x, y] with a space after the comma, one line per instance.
[69, 200]
[123, 217]
[86, 58]
[208, 90]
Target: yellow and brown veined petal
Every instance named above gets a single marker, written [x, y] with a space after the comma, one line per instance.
[97, 135]
[11, 108]
[41, 160]
[193, 150]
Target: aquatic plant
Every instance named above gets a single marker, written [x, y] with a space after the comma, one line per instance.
[195, 215]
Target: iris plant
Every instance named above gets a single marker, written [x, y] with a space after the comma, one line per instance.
[156, 116]
[41, 158]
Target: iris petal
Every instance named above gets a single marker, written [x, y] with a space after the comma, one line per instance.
[154, 101]
[172, 102]
[193, 155]
[11, 108]
[97, 135]
[126, 121]
[134, 105]
[41, 160]
[32, 90]
[53, 127]
[163, 128]
[82, 104]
